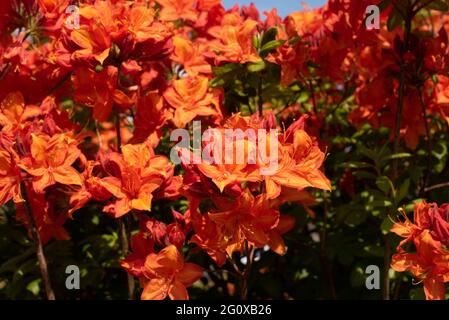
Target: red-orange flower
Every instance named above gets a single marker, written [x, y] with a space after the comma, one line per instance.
[430, 235]
[235, 40]
[93, 42]
[135, 176]
[9, 179]
[166, 274]
[191, 98]
[190, 55]
[178, 9]
[51, 161]
[96, 90]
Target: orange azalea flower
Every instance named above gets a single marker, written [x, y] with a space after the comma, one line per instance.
[49, 223]
[9, 179]
[178, 9]
[14, 112]
[225, 174]
[299, 167]
[53, 8]
[142, 246]
[141, 24]
[189, 54]
[191, 98]
[93, 188]
[235, 41]
[51, 161]
[231, 171]
[276, 243]
[429, 264]
[93, 42]
[96, 90]
[247, 218]
[430, 235]
[137, 175]
[168, 275]
[442, 97]
[232, 168]
[208, 235]
[151, 115]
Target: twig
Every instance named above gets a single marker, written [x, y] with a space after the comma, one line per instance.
[125, 250]
[60, 83]
[437, 186]
[121, 222]
[234, 266]
[246, 273]
[38, 246]
[401, 92]
[259, 97]
[386, 277]
[422, 6]
[323, 259]
[118, 132]
[429, 142]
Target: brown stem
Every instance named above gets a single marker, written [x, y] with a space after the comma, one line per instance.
[323, 259]
[38, 246]
[428, 143]
[422, 6]
[386, 277]
[259, 98]
[437, 186]
[125, 250]
[124, 237]
[401, 92]
[118, 132]
[234, 266]
[246, 273]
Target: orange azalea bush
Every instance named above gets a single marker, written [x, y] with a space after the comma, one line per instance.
[99, 169]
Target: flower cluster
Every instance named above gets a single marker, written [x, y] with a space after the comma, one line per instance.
[429, 233]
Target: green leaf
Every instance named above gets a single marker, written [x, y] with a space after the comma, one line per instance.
[269, 36]
[441, 152]
[381, 203]
[227, 68]
[256, 66]
[217, 82]
[256, 42]
[268, 47]
[11, 264]
[358, 277]
[356, 165]
[386, 225]
[98, 68]
[417, 294]
[403, 191]
[439, 5]
[34, 287]
[398, 156]
[384, 184]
